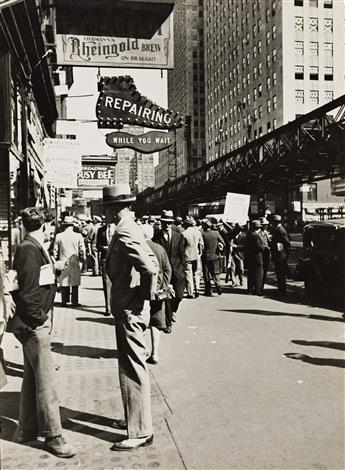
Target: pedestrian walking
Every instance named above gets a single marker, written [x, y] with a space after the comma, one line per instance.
[69, 250]
[93, 245]
[254, 249]
[131, 271]
[172, 241]
[39, 412]
[280, 249]
[162, 293]
[213, 245]
[194, 246]
[103, 239]
[266, 255]
[178, 225]
[238, 244]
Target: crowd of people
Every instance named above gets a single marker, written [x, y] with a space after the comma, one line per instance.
[148, 266]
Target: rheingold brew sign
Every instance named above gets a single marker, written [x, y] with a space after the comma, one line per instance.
[120, 103]
[150, 142]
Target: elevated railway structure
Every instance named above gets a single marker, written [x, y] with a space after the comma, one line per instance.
[306, 150]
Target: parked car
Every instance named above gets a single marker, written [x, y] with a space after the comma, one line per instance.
[323, 267]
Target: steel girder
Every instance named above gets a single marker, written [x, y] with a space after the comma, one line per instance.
[308, 149]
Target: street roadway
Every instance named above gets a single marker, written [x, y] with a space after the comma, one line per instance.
[242, 383]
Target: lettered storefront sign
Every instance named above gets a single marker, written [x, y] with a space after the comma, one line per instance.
[150, 142]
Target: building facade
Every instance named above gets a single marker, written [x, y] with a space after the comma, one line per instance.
[267, 62]
[186, 93]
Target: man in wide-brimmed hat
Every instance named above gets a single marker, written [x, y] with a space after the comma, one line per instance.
[131, 292]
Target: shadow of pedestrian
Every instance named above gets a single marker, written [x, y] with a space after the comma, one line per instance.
[84, 351]
[9, 411]
[71, 420]
[269, 313]
[13, 369]
[318, 361]
[105, 321]
[321, 344]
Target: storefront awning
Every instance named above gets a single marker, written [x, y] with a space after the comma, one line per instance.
[118, 18]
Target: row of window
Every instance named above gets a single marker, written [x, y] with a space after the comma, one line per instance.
[313, 73]
[314, 48]
[314, 24]
[315, 3]
[313, 96]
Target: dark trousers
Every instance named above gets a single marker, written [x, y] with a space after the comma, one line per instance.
[210, 270]
[255, 277]
[65, 295]
[106, 286]
[281, 269]
[266, 261]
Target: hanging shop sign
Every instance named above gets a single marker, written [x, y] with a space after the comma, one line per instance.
[150, 142]
[96, 175]
[121, 103]
[103, 51]
[62, 162]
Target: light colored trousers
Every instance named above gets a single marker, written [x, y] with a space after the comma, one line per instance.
[133, 371]
[193, 275]
[39, 412]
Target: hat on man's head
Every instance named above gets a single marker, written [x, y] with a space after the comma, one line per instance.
[68, 220]
[97, 218]
[255, 224]
[117, 194]
[145, 217]
[167, 216]
[276, 218]
[178, 219]
[264, 221]
[190, 220]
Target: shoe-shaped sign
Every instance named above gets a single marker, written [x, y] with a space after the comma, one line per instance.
[152, 141]
[120, 103]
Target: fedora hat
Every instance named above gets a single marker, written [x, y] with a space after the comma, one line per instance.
[264, 221]
[167, 216]
[68, 220]
[117, 193]
[189, 220]
[276, 218]
[255, 224]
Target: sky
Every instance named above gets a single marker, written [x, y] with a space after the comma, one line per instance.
[83, 95]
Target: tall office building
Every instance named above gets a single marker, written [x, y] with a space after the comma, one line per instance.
[267, 62]
[186, 92]
[134, 168]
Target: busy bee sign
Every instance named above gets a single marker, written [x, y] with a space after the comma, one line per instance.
[92, 175]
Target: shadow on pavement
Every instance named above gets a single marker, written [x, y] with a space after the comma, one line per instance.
[318, 361]
[13, 369]
[92, 288]
[269, 313]
[321, 344]
[9, 410]
[85, 309]
[105, 321]
[68, 418]
[84, 351]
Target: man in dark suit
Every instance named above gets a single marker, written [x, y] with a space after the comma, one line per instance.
[213, 244]
[254, 249]
[280, 249]
[32, 324]
[173, 243]
[103, 238]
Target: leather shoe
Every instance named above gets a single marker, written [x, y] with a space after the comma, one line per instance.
[167, 329]
[132, 444]
[58, 446]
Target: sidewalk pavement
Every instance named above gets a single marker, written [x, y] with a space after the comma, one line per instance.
[84, 349]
